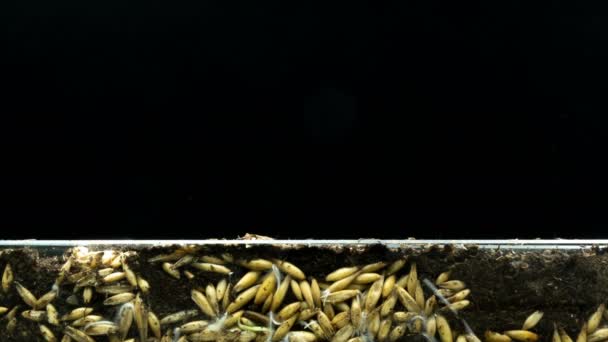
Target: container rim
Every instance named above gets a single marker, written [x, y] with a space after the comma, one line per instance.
[390, 243]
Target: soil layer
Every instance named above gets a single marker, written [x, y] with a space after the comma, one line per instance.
[506, 286]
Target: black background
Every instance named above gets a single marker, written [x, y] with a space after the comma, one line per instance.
[432, 119]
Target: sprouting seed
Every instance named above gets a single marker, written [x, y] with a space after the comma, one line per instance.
[284, 328]
[167, 267]
[34, 315]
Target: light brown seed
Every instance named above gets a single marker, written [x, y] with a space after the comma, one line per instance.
[11, 325]
[51, 315]
[377, 266]
[443, 328]
[81, 322]
[211, 294]
[342, 283]
[3, 310]
[412, 279]
[563, 336]
[295, 288]
[248, 280]
[114, 289]
[186, 260]
[119, 299]
[143, 285]
[130, 275]
[555, 337]
[374, 294]
[594, 320]
[47, 334]
[167, 267]
[256, 264]
[45, 299]
[189, 274]
[460, 295]
[140, 314]
[207, 267]
[268, 286]
[429, 305]
[355, 312]
[443, 277]
[454, 285]
[279, 296]
[341, 319]
[154, 324]
[491, 336]
[458, 305]
[288, 311]
[403, 317]
[341, 273]
[388, 305]
[395, 266]
[226, 297]
[343, 334]
[307, 314]
[366, 278]
[316, 292]
[300, 336]
[26, 295]
[373, 324]
[582, 335]
[431, 325]
[114, 277]
[221, 288]
[340, 296]
[76, 314]
[307, 293]
[419, 295]
[530, 322]
[244, 298]
[267, 303]
[598, 335]
[316, 328]
[522, 335]
[87, 295]
[201, 301]
[34, 315]
[397, 332]
[100, 328]
[402, 281]
[290, 269]
[406, 300]
[284, 328]
[77, 335]
[389, 284]
[213, 260]
[325, 324]
[385, 329]
[7, 278]
[178, 317]
[194, 326]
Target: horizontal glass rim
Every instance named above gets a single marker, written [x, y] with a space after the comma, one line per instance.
[390, 243]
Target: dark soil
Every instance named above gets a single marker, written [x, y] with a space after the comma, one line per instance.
[506, 286]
